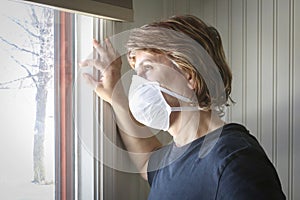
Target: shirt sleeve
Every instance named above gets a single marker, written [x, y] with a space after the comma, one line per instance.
[249, 175]
[154, 164]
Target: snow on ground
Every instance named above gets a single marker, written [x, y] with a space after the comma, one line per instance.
[17, 116]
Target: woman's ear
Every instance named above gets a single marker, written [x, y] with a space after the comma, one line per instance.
[191, 83]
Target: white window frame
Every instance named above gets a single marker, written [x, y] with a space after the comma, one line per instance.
[93, 116]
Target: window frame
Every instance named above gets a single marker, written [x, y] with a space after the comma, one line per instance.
[81, 174]
[64, 137]
[114, 10]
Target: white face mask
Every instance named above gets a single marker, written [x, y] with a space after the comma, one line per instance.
[149, 107]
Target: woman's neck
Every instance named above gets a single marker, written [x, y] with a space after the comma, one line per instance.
[189, 126]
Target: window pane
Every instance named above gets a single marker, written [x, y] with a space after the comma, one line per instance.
[27, 102]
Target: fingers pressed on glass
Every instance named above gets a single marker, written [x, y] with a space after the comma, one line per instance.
[100, 49]
[110, 48]
[92, 63]
[90, 80]
[86, 63]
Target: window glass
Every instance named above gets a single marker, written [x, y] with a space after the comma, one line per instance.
[27, 101]
[49, 116]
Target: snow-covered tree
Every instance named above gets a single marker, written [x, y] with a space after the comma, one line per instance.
[38, 28]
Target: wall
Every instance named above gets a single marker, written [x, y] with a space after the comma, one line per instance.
[262, 43]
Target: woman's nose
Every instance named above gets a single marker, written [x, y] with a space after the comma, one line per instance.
[140, 72]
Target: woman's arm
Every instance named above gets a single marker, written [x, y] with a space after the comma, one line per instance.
[138, 139]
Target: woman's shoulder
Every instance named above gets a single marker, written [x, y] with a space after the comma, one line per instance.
[236, 139]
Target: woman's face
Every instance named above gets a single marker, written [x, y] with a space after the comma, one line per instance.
[158, 68]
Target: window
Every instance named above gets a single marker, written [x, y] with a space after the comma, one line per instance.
[47, 114]
[52, 124]
[27, 102]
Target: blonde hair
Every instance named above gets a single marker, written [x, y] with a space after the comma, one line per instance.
[209, 39]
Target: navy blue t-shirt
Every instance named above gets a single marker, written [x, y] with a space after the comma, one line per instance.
[227, 163]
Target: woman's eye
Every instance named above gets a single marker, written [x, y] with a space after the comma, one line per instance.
[148, 67]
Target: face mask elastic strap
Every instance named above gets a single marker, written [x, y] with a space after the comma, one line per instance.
[185, 108]
[178, 96]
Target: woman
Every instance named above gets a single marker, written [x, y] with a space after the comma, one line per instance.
[182, 85]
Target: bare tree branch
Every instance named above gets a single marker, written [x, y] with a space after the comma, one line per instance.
[5, 85]
[34, 18]
[17, 47]
[23, 27]
[26, 69]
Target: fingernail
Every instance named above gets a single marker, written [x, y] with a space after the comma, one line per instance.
[95, 41]
[85, 75]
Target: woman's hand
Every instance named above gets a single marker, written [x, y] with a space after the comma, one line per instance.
[109, 64]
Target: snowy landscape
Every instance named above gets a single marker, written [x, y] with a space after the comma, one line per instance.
[17, 112]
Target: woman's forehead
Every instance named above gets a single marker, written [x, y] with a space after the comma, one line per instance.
[142, 57]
